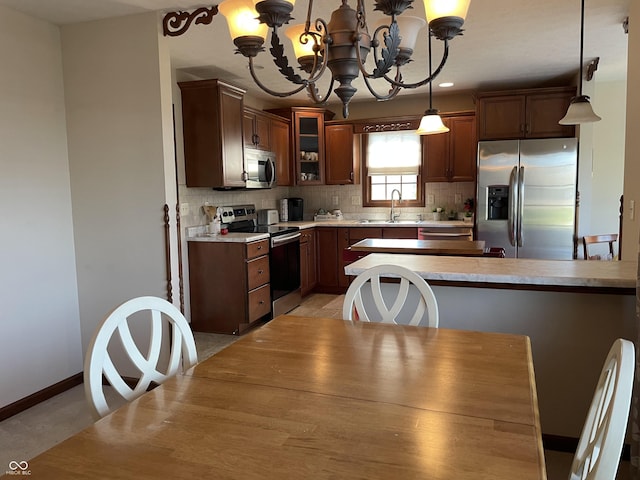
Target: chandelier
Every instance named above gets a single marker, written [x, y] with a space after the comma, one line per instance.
[342, 44]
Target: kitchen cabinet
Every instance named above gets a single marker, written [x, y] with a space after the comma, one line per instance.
[212, 119]
[342, 155]
[307, 142]
[266, 131]
[308, 269]
[399, 232]
[451, 156]
[279, 140]
[230, 289]
[331, 243]
[524, 113]
[256, 129]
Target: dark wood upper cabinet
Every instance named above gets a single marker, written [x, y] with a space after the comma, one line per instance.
[266, 131]
[342, 155]
[524, 114]
[212, 119]
[256, 128]
[279, 140]
[451, 156]
[307, 142]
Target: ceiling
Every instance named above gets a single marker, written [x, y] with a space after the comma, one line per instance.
[506, 43]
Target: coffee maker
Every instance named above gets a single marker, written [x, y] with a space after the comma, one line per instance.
[295, 209]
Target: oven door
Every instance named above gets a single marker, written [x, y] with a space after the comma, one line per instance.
[284, 266]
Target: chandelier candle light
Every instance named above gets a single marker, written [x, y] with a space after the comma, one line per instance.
[342, 44]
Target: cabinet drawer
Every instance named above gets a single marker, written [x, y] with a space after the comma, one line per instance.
[257, 249]
[259, 302]
[445, 233]
[257, 272]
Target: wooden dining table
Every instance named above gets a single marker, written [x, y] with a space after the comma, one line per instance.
[320, 398]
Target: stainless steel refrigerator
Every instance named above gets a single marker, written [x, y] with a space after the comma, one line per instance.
[527, 196]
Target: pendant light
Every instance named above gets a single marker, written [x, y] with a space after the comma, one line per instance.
[431, 123]
[580, 109]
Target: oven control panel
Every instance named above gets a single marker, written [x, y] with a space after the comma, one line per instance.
[237, 213]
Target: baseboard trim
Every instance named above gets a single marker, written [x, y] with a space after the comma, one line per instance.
[40, 396]
[560, 443]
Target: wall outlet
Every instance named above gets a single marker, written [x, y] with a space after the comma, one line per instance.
[355, 200]
[335, 201]
[184, 209]
[458, 198]
[430, 199]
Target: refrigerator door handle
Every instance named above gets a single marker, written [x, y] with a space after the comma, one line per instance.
[520, 206]
[511, 225]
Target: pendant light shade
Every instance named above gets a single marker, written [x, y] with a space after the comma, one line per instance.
[580, 111]
[431, 123]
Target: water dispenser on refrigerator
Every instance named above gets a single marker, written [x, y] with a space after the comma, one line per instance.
[498, 202]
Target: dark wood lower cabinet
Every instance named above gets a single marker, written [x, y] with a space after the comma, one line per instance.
[229, 285]
[308, 268]
[332, 241]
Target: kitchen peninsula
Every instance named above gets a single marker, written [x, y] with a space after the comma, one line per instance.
[572, 310]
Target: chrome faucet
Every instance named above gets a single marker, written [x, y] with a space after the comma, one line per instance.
[392, 215]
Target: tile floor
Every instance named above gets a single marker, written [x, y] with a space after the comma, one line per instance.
[29, 433]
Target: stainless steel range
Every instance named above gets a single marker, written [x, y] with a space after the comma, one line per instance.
[284, 254]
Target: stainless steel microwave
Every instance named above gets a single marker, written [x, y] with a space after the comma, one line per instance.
[260, 167]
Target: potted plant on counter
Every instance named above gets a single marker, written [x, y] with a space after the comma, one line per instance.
[468, 210]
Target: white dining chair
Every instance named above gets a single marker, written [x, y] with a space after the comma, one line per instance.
[151, 365]
[369, 299]
[598, 454]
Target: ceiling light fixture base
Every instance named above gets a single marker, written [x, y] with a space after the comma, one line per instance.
[393, 7]
[249, 46]
[446, 28]
[274, 13]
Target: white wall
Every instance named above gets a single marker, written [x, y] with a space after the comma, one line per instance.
[631, 226]
[608, 156]
[117, 87]
[39, 321]
[601, 170]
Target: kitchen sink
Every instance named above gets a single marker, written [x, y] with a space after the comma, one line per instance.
[397, 222]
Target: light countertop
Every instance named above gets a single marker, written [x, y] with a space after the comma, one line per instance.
[419, 247]
[379, 223]
[229, 237]
[619, 277]
[196, 234]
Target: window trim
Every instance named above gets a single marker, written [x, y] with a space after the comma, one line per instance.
[366, 182]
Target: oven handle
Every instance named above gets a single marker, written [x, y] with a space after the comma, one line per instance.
[284, 239]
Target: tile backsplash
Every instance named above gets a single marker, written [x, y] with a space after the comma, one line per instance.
[347, 198]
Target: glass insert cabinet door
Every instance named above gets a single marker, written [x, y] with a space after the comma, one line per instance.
[309, 127]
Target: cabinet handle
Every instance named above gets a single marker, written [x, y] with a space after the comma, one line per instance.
[351, 176]
[260, 272]
[261, 302]
[259, 247]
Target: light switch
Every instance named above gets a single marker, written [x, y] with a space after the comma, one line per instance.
[335, 200]
[430, 199]
[458, 198]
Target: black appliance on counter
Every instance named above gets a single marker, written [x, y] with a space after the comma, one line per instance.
[296, 209]
[284, 255]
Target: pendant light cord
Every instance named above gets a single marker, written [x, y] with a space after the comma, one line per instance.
[430, 80]
[581, 47]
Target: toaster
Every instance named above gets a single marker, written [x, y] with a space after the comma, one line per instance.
[267, 217]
